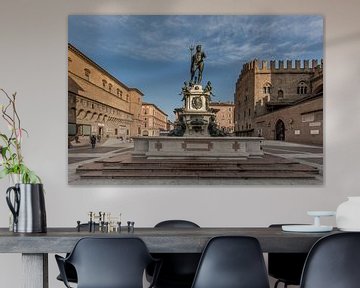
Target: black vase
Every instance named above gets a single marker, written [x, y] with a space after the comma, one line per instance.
[27, 207]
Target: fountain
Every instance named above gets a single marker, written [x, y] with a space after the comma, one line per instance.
[196, 135]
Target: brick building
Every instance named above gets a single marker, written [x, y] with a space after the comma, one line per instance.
[98, 103]
[154, 120]
[225, 116]
[280, 103]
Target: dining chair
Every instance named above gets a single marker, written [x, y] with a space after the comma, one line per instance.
[178, 269]
[333, 262]
[286, 267]
[70, 271]
[108, 263]
[232, 262]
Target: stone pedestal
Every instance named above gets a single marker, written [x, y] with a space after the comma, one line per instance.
[196, 114]
[198, 148]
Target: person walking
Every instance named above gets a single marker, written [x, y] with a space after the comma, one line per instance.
[93, 141]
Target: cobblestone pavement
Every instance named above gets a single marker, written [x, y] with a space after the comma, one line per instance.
[305, 154]
[85, 154]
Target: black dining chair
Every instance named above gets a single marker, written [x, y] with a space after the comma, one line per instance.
[286, 267]
[70, 271]
[333, 262]
[232, 262]
[178, 269]
[108, 263]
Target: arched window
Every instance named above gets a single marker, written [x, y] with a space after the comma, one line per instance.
[267, 88]
[280, 94]
[110, 87]
[302, 88]
[104, 83]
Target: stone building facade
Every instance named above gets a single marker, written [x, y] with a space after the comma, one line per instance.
[225, 115]
[154, 120]
[98, 103]
[280, 103]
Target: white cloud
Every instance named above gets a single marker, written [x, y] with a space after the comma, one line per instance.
[225, 38]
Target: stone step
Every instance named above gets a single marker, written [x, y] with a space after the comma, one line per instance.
[197, 167]
[196, 175]
[265, 161]
[128, 167]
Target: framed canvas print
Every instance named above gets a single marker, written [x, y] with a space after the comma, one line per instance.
[200, 99]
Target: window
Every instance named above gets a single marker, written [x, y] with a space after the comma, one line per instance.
[302, 88]
[280, 94]
[110, 87]
[104, 83]
[267, 88]
[87, 74]
[249, 111]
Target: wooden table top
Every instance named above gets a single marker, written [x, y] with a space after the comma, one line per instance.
[158, 240]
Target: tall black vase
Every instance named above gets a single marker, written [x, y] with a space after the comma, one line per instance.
[28, 208]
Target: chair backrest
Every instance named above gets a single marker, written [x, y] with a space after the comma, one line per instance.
[232, 262]
[177, 268]
[286, 266]
[110, 262]
[176, 224]
[333, 262]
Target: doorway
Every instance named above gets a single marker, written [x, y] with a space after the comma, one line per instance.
[280, 130]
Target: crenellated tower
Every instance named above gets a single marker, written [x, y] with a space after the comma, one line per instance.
[265, 86]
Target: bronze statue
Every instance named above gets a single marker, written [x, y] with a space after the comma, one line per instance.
[180, 127]
[184, 91]
[208, 89]
[197, 64]
[213, 130]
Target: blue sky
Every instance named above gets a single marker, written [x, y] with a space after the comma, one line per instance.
[152, 54]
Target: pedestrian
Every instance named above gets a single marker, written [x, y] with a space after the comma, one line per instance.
[93, 141]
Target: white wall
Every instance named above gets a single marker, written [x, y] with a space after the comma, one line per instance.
[33, 62]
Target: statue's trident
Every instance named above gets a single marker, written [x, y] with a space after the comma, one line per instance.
[191, 48]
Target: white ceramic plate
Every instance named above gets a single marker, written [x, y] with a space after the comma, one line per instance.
[306, 228]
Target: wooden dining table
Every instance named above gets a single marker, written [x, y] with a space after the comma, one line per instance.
[35, 247]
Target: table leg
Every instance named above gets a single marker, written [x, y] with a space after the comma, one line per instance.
[35, 270]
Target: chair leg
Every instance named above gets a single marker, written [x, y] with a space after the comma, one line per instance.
[279, 281]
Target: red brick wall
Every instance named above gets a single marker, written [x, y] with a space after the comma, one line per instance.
[303, 123]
